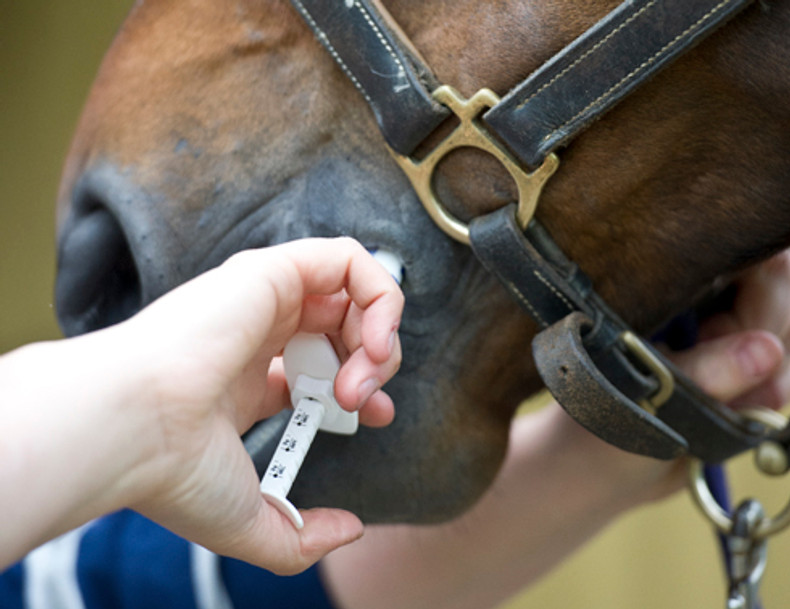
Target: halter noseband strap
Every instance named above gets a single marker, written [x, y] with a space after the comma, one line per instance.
[607, 378]
[603, 65]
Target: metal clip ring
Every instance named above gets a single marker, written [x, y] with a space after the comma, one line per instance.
[711, 508]
[470, 133]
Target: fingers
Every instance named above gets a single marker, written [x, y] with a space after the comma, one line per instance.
[361, 376]
[773, 393]
[326, 530]
[274, 544]
[327, 266]
[348, 294]
[372, 294]
[762, 302]
[752, 338]
[324, 314]
[378, 411]
[262, 397]
[257, 299]
[733, 365]
[366, 316]
[219, 506]
[763, 299]
[330, 286]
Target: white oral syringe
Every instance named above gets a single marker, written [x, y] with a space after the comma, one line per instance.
[310, 365]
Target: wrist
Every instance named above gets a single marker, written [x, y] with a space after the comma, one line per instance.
[613, 479]
[122, 373]
[99, 386]
[73, 437]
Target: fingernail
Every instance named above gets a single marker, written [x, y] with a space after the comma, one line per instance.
[366, 389]
[391, 342]
[756, 359]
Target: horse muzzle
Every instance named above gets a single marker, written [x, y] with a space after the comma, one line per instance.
[122, 244]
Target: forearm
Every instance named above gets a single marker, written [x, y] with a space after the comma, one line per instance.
[550, 497]
[67, 449]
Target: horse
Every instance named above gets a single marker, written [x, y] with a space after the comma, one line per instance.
[217, 127]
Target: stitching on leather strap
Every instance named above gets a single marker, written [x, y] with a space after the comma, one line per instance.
[650, 60]
[387, 46]
[514, 289]
[335, 55]
[554, 290]
[587, 53]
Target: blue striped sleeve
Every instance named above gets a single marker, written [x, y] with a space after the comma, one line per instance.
[11, 588]
[253, 588]
[128, 562]
[125, 561]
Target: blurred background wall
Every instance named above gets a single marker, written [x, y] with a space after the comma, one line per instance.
[49, 53]
[657, 557]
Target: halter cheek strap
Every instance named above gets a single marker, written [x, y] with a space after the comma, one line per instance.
[394, 81]
[608, 379]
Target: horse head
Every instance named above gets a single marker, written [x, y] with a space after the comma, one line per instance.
[217, 127]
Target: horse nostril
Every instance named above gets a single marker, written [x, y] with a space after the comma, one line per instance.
[97, 283]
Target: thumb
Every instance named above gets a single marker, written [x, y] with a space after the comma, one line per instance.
[731, 365]
[277, 546]
[326, 530]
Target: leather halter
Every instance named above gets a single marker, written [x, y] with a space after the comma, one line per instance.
[611, 381]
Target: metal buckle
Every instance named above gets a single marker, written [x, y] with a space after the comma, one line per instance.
[709, 506]
[471, 133]
[666, 382]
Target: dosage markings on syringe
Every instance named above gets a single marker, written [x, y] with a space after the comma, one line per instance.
[276, 469]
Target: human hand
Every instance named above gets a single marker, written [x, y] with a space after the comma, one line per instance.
[208, 354]
[741, 357]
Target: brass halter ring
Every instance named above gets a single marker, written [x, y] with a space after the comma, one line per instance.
[711, 508]
[471, 133]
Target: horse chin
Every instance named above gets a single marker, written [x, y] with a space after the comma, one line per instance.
[427, 466]
[121, 247]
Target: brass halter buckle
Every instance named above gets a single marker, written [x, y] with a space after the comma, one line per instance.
[666, 381]
[471, 133]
